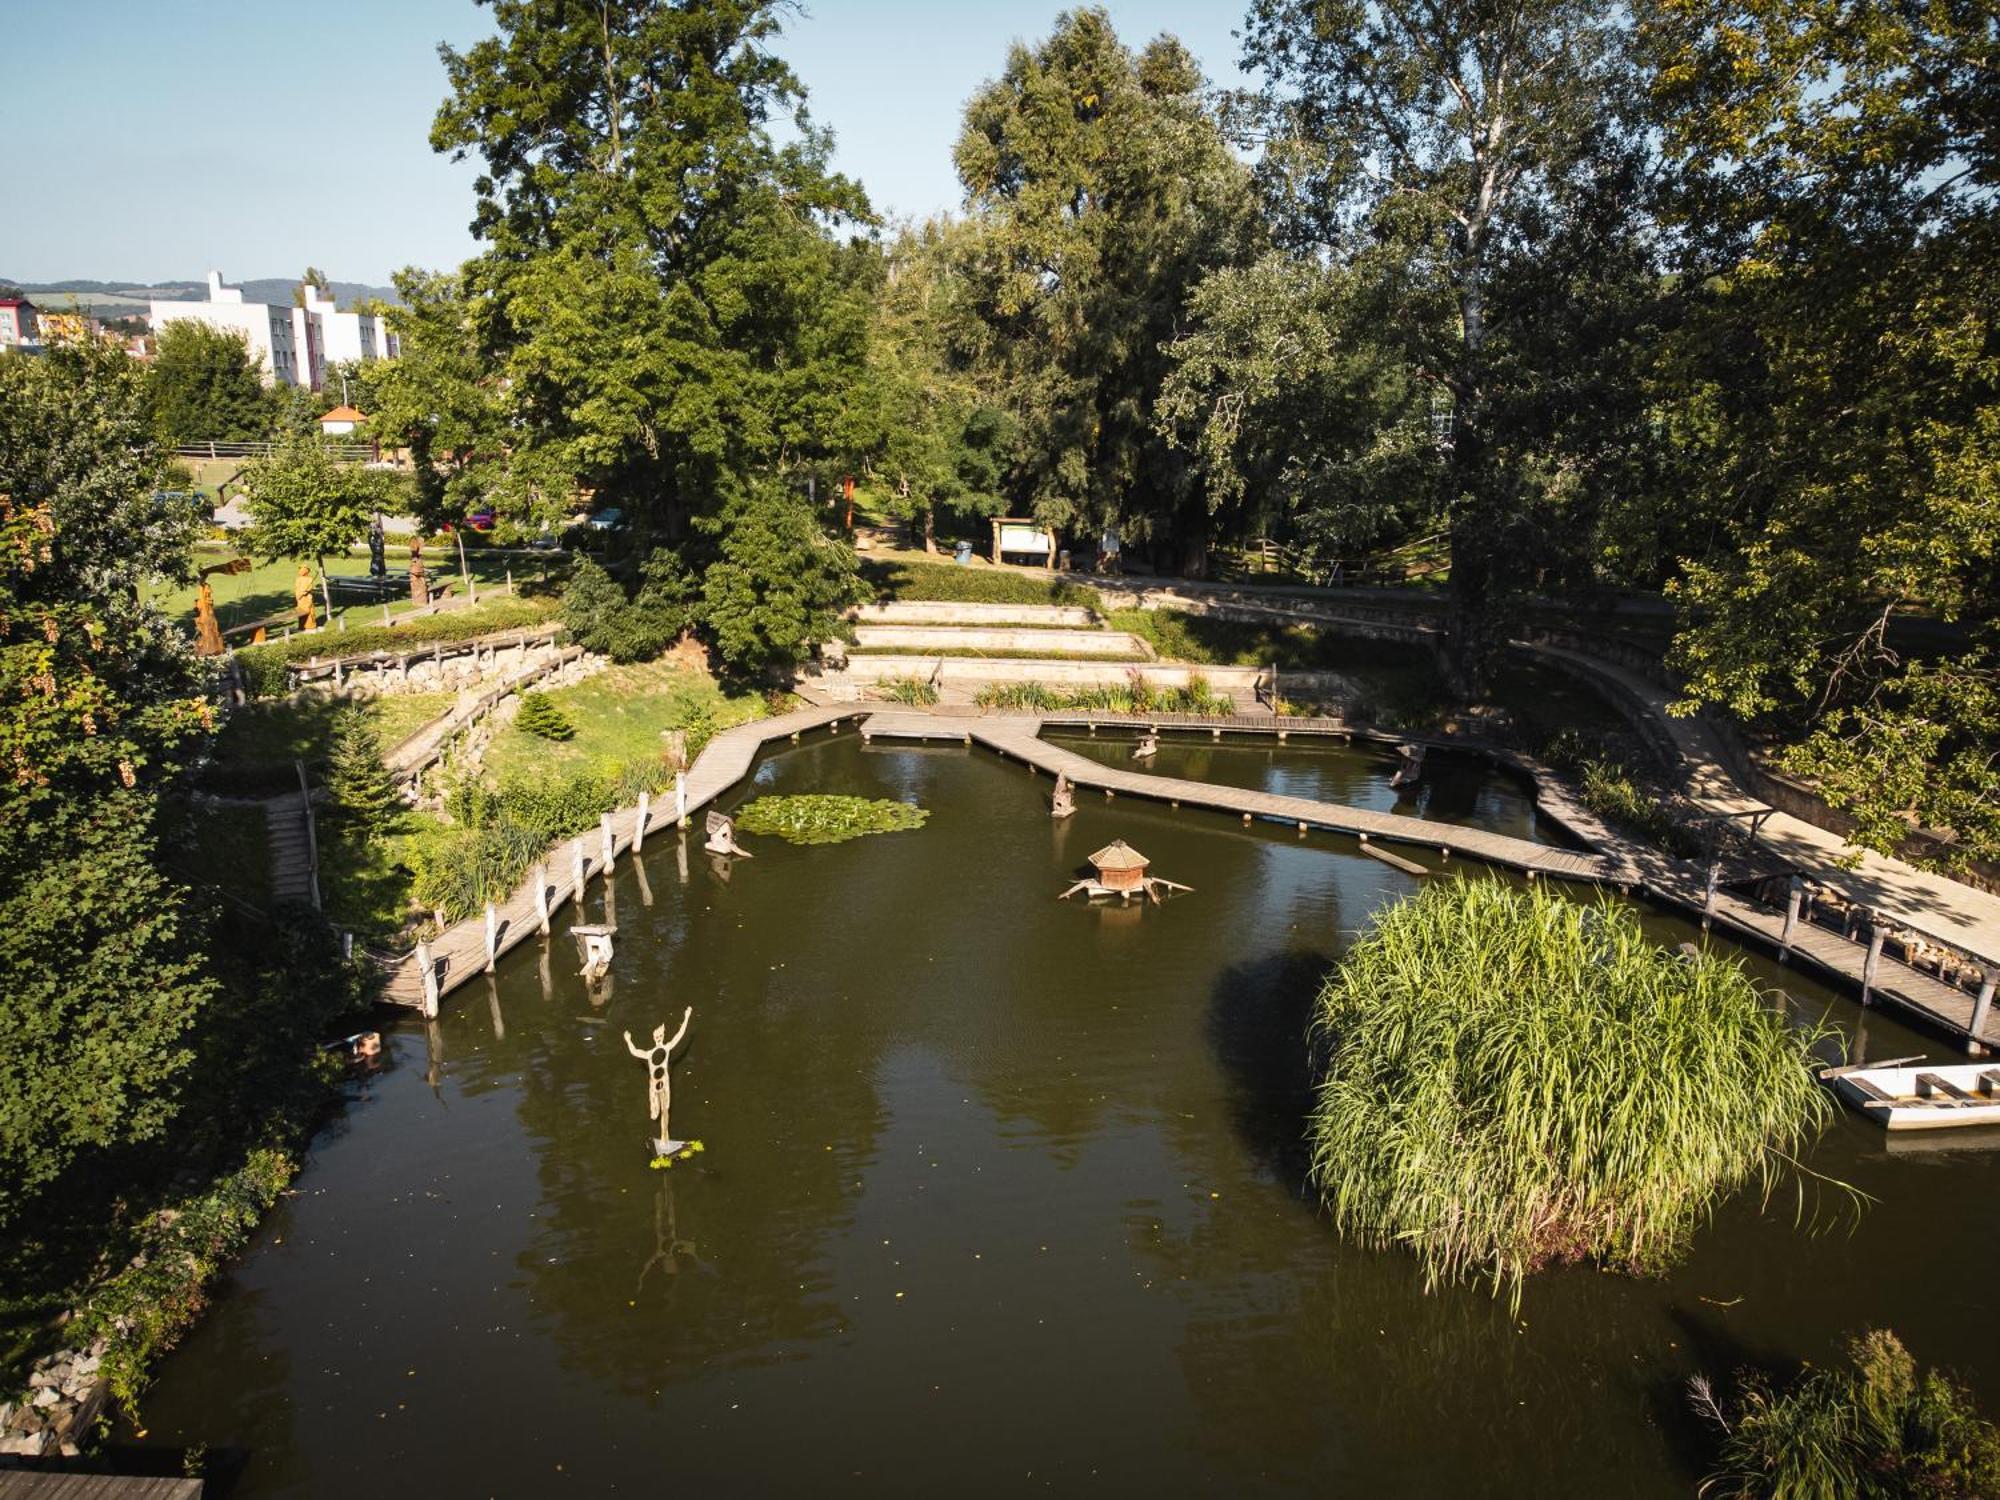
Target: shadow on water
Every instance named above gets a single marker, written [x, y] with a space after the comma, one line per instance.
[1259, 1014]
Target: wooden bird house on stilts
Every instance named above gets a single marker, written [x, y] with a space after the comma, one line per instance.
[1120, 872]
[1064, 802]
[722, 835]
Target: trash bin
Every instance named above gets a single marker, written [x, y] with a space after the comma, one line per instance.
[963, 553]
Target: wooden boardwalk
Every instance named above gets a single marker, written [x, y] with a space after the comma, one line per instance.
[460, 953]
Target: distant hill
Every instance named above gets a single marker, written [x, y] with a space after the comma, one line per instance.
[115, 299]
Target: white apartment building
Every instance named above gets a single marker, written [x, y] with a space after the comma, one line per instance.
[293, 345]
[350, 337]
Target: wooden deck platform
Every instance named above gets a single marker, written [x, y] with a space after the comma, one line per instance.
[57, 1484]
[459, 954]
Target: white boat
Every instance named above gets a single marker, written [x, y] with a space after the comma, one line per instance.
[1909, 1094]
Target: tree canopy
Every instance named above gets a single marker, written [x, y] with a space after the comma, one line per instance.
[208, 387]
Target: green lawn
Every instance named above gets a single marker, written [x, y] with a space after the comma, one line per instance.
[261, 736]
[619, 716]
[266, 589]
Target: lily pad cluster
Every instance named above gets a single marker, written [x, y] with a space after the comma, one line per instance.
[828, 819]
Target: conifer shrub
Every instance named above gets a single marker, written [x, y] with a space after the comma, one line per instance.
[538, 715]
[364, 795]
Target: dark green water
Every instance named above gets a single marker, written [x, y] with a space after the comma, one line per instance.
[1454, 788]
[1000, 1195]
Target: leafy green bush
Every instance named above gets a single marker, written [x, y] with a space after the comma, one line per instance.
[951, 583]
[538, 715]
[827, 819]
[601, 618]
[912, 690]
[1512, 1079]
[264, 666]
[1876, 1431]
[142, 1310]
[1610, 791]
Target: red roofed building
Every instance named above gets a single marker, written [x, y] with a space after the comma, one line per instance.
[19, 328]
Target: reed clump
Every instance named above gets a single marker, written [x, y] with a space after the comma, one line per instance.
[1512, 1080]
[1877, 1429]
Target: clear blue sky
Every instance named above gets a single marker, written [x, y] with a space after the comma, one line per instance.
[147, 141]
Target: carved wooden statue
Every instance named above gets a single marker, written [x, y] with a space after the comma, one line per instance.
[420, 584]
[302, 598]
[660, 1088]
[1064, 802]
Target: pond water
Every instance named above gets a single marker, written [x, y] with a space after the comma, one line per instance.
[1455, 788]
[999, 1194]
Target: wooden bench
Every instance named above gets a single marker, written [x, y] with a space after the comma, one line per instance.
[1944, 1088]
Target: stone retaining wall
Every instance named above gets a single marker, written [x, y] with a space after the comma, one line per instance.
[963, 671]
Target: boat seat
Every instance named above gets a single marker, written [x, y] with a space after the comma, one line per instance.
[1864, 1087]
[1946, 1088]
[1989, 1080]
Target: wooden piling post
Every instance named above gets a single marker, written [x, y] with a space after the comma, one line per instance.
[1876, 933]
[1794, 892]
[576, 868]
[1708, 894]
[639, 828]
[492, 936]
[542, 897]
[1974, 1045]
[680, 799]
[610, 846]
[427, 969]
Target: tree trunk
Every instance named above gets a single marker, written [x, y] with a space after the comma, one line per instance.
[930, 529]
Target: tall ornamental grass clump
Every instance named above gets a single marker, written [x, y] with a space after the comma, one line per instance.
[1877, 1430]
[1513, 1080]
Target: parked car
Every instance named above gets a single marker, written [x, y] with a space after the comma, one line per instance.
[611, 518]
[482, 519]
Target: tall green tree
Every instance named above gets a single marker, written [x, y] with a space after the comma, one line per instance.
[1102, 191]
[1837, 390]
[936, 439]
[440, 401]
[306, 503]
[1449, 130]
[661, 294]
[207, 387]
[99, 981]
[776, 587]
[1295, 415]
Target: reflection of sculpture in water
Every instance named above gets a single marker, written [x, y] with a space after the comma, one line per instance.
[668, 1246]
[660, 1088]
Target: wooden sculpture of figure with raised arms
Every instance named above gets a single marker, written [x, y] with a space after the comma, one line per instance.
[660, 1089]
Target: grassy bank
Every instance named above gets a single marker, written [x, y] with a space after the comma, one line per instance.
[532, 791]
[976, 584]
[1513, 1080]
[1124, 698]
